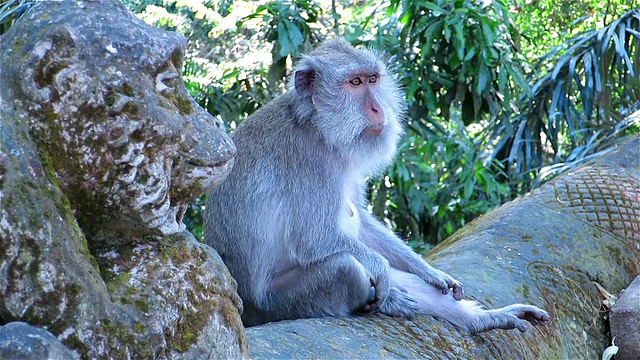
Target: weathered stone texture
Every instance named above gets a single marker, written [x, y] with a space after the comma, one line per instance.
[20, 340]
[625, 322]
[101, 150]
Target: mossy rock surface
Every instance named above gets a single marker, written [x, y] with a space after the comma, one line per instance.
[101, 149]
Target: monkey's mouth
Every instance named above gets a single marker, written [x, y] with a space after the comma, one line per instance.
[373, 130]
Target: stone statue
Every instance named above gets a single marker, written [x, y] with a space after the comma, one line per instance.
[101, 150]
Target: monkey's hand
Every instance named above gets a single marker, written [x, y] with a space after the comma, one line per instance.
[399, 303]
[443, 281]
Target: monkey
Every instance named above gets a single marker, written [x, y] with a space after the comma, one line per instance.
[291, 220]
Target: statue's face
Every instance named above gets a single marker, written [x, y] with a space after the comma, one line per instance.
[128, 144]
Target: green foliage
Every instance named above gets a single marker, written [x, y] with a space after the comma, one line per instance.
[440, 182]
[545, 24]
[287, 25]
[501, 95]
[11, 11]
[579, 106]
[193, 218]
[457, 55]
[461, 68]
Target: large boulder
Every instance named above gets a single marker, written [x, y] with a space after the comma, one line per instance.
[19, 340]
[101, 150]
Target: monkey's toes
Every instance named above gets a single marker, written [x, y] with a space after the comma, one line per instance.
[372, 294]
[516, 316]
[371, 307]
[373, 300]
[522, 326]
[371, 304]
[399, 303]
[535, 316]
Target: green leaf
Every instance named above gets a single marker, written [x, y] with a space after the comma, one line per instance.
[284, 44]
[460, 44]
[433, 7]
[468, 188]
[482, 79]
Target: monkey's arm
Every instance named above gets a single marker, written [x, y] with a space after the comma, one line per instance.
[400, 256]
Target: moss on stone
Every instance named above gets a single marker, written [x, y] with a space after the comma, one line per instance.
[118, 282]
[139, 328]
[110, 98]
[184, 342]
[184, 105]
[175, 251]
[131, 109]
[128, 90]
[73, 342]
[143, 305]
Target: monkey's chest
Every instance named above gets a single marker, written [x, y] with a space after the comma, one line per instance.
[349, 219]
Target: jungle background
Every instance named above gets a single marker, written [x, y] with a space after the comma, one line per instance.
[502, 95]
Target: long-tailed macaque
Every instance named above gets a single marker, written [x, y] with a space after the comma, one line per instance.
[291, 221]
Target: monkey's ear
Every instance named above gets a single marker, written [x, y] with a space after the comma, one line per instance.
[304, 81]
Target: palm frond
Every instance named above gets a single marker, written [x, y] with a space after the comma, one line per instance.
[11, 11]
[577, 107]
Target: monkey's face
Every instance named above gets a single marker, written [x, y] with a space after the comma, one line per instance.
[358, 103]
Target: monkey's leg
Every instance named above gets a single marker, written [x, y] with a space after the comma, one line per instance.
[334, 286]
[467, 314]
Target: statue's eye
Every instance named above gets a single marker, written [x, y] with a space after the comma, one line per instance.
[355, 81]
[373, 79]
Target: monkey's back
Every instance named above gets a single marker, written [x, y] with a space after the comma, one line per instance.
[256, 218]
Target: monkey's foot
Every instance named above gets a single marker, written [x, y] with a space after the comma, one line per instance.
[511, 317]
[399, 303]
[373, 301]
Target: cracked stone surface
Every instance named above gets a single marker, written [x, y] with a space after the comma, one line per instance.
[101, 150]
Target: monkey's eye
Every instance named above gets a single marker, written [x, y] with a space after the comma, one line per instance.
[373, 79]
[355, 81]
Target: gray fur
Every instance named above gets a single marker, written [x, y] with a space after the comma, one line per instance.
[291, 221]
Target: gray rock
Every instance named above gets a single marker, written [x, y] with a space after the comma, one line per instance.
[20, 340]
[101, 150]
[625, 322]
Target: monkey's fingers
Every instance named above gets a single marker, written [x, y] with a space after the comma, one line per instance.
[456, 287]
[458, 292]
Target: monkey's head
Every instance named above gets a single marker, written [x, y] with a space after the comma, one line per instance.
[353, 100]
